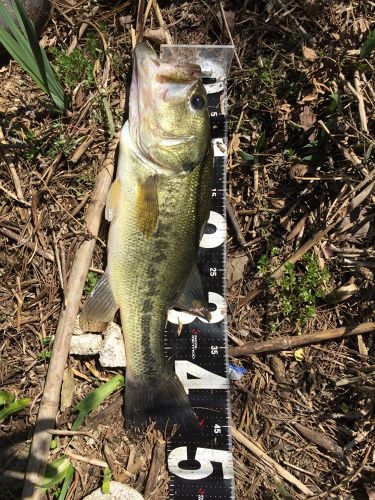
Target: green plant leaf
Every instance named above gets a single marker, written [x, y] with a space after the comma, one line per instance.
[246, 156]
[368, 45]
[107, 475]
[299, 354]
[96, 398]
[6, 398]
[66, 483]
[21, 42]
[14, 407]
[56, 471]
[260, 142]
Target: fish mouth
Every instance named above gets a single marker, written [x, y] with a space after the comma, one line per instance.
[152, 79]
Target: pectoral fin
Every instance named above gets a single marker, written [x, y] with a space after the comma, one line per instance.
[100, 305]
[193, 299]
[147, 206]
[113, 198]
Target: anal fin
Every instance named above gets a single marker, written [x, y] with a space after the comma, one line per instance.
[193, 299]
[100, 305]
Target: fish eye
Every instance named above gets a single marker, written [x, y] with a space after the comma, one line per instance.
[197, 102]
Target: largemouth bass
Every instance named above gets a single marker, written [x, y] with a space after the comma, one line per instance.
[158, 207]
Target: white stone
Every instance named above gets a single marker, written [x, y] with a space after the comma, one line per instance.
[112, 352]
[85, 344]
[118, 491]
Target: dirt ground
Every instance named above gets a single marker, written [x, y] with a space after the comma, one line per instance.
[300, 186]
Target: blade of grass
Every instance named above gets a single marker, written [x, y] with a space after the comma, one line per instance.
[66, 483]
[95, 398]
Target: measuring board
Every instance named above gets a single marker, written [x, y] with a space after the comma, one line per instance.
[201, 465]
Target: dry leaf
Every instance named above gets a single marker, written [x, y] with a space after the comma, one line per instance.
[67, 390]
[309, 54]
[277, 203]
[307, 117]
[298, 170]
[297, 229]
[342, 293]
[158, 35]
[235, 143]
[236, 268]
[284, 110]
[308, 98]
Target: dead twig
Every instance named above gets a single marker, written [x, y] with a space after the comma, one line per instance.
[32, 246]
[161, 22]
[235, 224]
[263, 457]
[50, 401]
[229, 34]
[87, 460]
[285, 343]
[156, 462]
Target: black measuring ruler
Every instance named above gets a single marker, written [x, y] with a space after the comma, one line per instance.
[201, 465]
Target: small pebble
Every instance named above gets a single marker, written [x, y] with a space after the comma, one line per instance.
[112, 352]
[118, 491]
[86, 344]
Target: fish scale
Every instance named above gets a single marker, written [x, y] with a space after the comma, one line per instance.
[165, 259]
[200, 464]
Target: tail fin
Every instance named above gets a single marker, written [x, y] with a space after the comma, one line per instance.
[162, 400]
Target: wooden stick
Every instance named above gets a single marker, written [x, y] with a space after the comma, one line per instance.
[139, 25]
[50, 401]
[257, 452]
[156, 462]
[292, 260]
[285, 343]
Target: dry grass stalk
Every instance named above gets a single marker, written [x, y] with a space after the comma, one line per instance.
[229, 34]
[361, 102]
[50, 401]
[285, 343]
[261, 455]
[87, 460]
